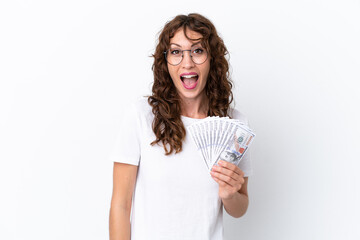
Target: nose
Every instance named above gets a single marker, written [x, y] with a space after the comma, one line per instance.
[187, 62]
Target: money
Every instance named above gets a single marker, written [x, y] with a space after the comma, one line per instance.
[221, 138]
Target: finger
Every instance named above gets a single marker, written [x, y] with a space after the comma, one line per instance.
[220, 182]
[226, 172]
[231, 166]
[226, 185]
[224, 178]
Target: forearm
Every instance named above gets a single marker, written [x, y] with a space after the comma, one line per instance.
[119, 223]
[237, 205]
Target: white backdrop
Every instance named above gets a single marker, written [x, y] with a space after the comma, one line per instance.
[67, 68]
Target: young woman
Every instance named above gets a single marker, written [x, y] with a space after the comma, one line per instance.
[161, 186]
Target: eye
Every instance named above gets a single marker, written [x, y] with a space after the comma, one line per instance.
[198, 51]
[175, 52]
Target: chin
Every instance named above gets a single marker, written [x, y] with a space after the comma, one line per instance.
[191, 95]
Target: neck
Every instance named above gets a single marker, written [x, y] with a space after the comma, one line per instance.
[195, 108]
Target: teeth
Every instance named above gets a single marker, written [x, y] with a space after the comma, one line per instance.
[188, 76]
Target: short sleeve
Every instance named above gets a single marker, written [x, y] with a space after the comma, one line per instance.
[126, 148]
[245, 163]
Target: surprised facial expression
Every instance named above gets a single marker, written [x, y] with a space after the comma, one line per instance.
[188, 77]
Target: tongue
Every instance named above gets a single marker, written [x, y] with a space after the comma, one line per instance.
[189, 82]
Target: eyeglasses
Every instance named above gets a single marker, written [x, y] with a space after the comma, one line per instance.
[174, 56]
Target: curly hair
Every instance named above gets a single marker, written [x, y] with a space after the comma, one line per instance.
[165, 101]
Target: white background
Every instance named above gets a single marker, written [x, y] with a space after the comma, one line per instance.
[67, 69]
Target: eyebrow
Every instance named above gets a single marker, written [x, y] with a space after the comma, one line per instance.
[191, 45]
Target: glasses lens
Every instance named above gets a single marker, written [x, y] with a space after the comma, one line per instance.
[174, 56]
[199, 55]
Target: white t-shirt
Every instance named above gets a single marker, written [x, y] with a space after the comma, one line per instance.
[175, 197]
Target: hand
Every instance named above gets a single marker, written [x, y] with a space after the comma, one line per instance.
[229, 177]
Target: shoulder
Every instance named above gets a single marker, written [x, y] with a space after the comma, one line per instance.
[141, 108]
[236, 114]
[141, 104]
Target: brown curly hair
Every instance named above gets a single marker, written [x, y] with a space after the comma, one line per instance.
[165, 101]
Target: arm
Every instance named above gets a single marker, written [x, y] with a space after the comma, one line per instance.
[238, 204]
[232, 188]
[124, 177]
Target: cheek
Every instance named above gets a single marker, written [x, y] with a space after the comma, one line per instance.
[172, 72]
[206, 71]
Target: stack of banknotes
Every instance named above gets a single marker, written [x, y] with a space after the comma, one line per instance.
[221, 138]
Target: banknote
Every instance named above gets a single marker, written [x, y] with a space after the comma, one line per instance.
[237, 145]
[221, 138]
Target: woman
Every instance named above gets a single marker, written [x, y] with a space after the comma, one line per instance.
[160, 180]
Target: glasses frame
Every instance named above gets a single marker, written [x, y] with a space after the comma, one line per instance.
[182, 56]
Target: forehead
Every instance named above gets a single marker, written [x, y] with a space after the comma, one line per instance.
[180, 38]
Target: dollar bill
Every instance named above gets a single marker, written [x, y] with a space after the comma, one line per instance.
[221, 138]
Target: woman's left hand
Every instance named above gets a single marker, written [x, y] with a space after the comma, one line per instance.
[229, 177]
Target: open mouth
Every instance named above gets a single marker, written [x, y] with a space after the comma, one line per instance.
[189, 81]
